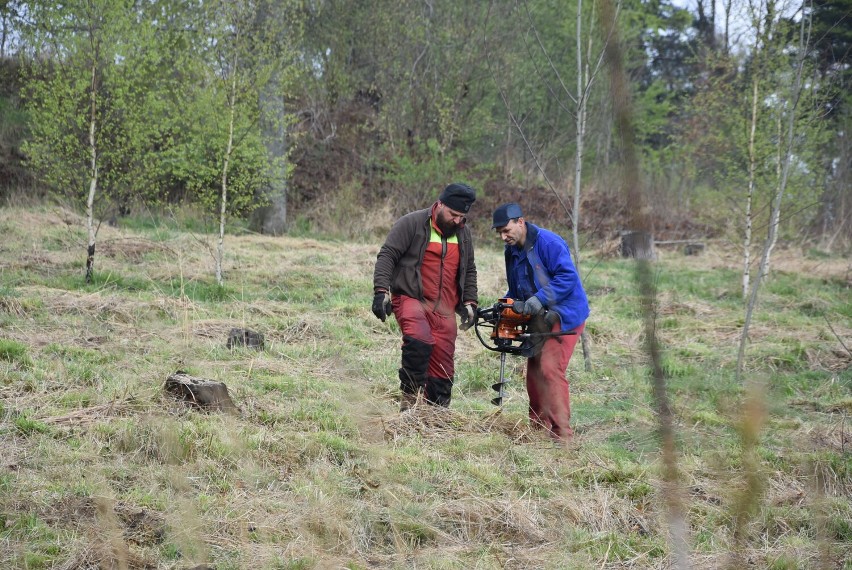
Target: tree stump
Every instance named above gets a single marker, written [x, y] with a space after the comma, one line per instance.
[244, 337]
[638, 245]
[693, 249]
[200, 393]
[270, 219]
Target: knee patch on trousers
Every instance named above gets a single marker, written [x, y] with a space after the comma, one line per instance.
[415, 363]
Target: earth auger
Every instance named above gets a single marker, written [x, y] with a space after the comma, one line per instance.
[504, 328]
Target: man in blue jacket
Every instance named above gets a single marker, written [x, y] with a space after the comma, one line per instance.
[541, 273]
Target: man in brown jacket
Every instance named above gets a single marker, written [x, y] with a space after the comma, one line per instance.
[425, 274]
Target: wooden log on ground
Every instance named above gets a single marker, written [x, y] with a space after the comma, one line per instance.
[200, 392]
[690, 246]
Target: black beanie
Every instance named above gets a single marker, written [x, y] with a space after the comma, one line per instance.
[458, 197]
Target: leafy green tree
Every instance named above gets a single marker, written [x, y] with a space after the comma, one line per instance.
[81, 96]
[732, 141]
[245, 50]
[404, 83]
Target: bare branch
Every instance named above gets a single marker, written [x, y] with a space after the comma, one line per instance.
[527, 143]
[837, 336]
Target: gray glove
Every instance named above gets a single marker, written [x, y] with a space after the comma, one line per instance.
[382, 305]
[532, 306]
[468, 316]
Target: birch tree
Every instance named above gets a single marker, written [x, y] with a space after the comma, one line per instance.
[789, 117]
[589, 59]
[587, 71]
[78, 98]
[247, 54]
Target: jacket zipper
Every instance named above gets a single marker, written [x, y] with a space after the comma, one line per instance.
[441, 273]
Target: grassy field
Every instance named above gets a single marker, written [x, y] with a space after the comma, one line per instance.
[101, 468]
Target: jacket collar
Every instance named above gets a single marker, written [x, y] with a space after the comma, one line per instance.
[532, 236]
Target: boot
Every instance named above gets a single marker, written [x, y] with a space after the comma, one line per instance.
[412, 375]
[439, 391]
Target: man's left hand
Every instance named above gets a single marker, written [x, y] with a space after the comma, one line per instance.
[468, 316]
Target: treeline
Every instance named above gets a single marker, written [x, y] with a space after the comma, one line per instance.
[329, 113]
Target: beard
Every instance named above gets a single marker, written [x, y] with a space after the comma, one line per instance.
[448, 227]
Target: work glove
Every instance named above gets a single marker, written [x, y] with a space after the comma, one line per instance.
[532, 306]
[551, 318]
[468, 316]
[382, 305]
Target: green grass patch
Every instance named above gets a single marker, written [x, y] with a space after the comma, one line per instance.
[28, 426]
[199, 291]
[15, 352]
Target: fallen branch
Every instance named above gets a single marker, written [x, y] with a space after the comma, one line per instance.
[837, 336]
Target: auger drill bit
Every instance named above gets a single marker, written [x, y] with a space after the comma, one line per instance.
[498, 401]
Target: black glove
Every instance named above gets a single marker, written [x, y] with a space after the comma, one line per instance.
[468, 316]
[551, 318]
[532, 306]
[382, 305]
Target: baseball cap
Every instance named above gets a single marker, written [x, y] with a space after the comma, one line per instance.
[506, 212]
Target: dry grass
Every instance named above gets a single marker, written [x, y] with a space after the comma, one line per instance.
[101, 469]
[435, 423]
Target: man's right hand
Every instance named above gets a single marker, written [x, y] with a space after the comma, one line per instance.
[532, 307]
[468, 316]
[382, 305]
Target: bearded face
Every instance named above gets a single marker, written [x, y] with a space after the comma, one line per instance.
[448, 227]
[448, 221]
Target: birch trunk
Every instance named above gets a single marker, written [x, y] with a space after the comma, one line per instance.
[581, 127]
[582, 99]
[220, 249]
[752, 167]
[93, 176]
[781, 165]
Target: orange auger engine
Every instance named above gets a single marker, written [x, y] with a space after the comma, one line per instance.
[504, 328]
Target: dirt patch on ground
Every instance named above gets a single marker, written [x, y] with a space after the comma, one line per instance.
[117, 532]
[130, 248]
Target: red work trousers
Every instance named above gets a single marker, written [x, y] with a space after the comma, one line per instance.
[548, 387]
[418, 320]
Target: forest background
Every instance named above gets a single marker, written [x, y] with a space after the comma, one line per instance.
[138, 135]
[335, 117]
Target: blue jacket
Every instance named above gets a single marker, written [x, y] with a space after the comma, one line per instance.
[544, 268]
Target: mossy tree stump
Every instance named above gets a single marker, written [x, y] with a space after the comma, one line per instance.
[200, 393]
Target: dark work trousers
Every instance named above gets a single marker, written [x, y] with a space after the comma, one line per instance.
[548, 387]
[419, 322]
